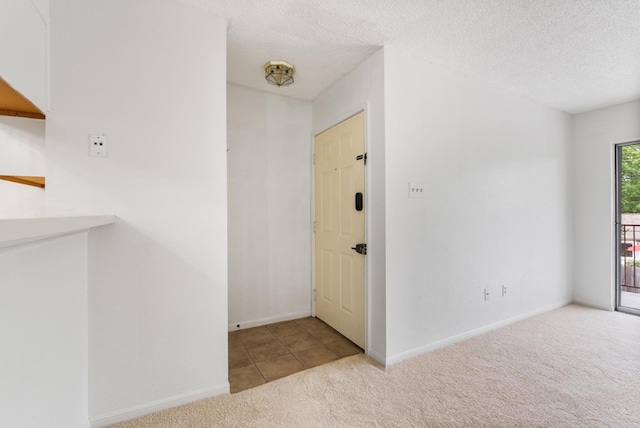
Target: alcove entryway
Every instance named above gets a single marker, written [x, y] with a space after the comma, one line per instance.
[267, 353]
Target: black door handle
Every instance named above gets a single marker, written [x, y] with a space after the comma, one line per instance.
[360, 249]
[359, 201]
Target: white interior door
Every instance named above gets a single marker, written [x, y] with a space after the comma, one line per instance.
[339, 269]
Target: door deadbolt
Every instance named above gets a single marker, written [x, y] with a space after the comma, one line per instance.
[361, 249]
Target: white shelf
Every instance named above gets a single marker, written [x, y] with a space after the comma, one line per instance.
[20, 231]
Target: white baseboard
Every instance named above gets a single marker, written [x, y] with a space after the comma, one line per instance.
[155, 406]
[468, 335]
[377, 356]
[593, 305]
[269, 320]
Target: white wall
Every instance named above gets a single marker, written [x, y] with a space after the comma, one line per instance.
[497, 206]
[151, 76]
[595, 134]
[21, 153]
[363, 88]
[268, 160]
[42, 7]
[23, 48]
[43, 325]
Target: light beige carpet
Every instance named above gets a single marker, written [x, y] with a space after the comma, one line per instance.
[573, 367]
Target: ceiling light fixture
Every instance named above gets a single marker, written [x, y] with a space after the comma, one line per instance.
[279, 73]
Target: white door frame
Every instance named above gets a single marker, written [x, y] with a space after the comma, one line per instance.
[323, 127]
[617, 221]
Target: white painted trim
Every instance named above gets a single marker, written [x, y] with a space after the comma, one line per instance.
[368, 191]
[312, 214]
[268, 320]
[625, 142]
[615, 246]
[376, 356]
[613, 289]
[468, 335]
[156, 406]
[613, 224]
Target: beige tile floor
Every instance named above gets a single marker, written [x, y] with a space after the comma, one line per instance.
[263, 354]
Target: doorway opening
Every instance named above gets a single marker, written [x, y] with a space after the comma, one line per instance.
[627, 228]
[263, 354]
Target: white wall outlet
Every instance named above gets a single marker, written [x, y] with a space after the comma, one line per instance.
[486, 294]
[504, 290]
[416, 190]
[98, 145]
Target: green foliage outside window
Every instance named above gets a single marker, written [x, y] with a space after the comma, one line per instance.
[630, 179]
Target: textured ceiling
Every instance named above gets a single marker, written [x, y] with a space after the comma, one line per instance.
[573, 55]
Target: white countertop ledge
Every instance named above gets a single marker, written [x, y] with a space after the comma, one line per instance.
[23, 230]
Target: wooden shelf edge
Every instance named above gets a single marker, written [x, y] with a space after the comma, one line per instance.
[25, 179]
[13, 103]
[26, 114]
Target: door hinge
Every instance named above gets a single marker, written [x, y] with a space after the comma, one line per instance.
[314, 158]
[314, 294]
[362, 157]
[314, 226]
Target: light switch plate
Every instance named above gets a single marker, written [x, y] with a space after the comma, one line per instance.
[98, 145]
[416, 190]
